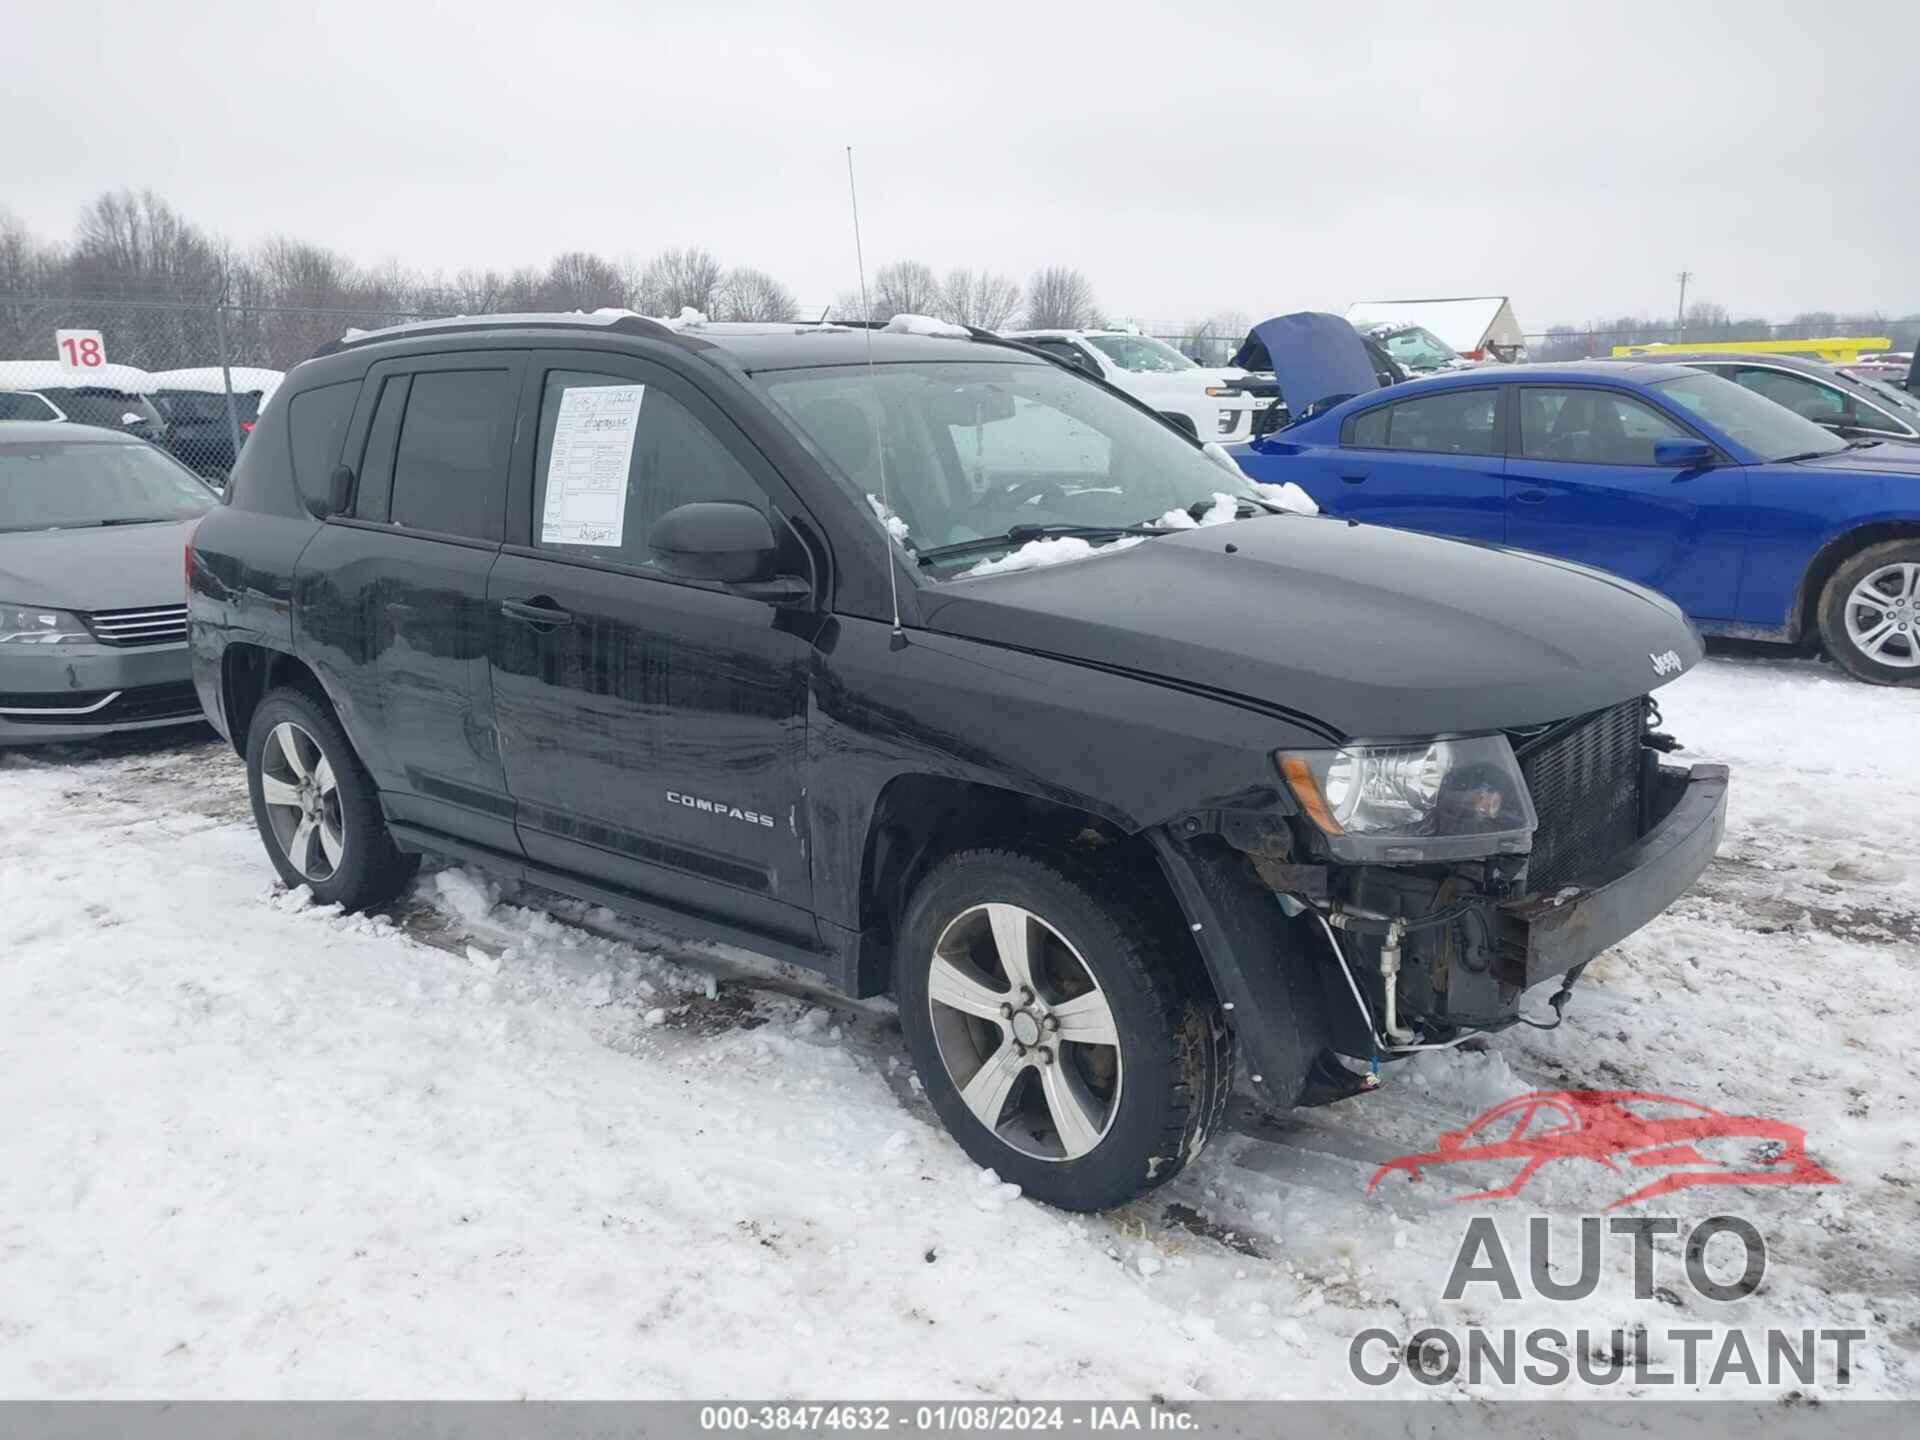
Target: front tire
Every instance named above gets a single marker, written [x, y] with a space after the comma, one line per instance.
[1870, 614]
[1067, 1042]
[316, 807]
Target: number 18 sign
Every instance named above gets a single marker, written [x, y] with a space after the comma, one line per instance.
[80, 349]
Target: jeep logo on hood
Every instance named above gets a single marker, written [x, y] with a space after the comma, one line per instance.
[1667, 662]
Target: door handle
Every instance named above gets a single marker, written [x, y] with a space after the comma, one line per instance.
[1530, 497]
[539, 612]
[1354, 478]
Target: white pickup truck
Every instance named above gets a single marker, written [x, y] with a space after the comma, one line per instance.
[1207, 402]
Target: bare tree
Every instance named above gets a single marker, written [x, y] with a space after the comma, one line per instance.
[139, 247]
[749, 294]
[675, 279]
[906, 287]
[847, 306]
[984, 298]
[1060, 298]
[581, 280]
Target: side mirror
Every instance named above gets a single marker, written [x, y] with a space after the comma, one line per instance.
[340, 490]
[721, 540]
[1682, 454]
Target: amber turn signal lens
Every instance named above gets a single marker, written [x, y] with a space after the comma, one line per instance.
[1307, 791]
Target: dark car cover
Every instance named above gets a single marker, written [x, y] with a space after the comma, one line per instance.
[1315, 358]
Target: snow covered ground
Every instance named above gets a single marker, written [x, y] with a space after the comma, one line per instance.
[498, 1145]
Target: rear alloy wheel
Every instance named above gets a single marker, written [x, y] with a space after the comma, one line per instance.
[302, 798]
[1870, 614]
[316, 807]
[1066, 1042]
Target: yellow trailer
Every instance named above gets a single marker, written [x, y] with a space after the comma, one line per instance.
[1835, 349]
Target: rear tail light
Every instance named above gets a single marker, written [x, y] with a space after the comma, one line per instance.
[246, 427]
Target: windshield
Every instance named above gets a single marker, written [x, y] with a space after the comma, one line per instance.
[1771, 431]
[973, 449]
[56, 487]
[1417, 349]
[1889, 394]
[1141, 354]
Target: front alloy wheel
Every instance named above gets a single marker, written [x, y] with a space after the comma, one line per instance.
[1025, 1034]
[1883, 615]
[1060, 1022]
[1870, 613]
[303, 801]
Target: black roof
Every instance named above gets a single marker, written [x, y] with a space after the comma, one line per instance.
[753, 346]
[45, 432]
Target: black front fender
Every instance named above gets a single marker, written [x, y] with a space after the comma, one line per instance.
[1271, 971]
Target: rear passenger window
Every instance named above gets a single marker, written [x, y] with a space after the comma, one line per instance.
[610, 462]
[1446, 422]
[450, 467]
[317, 423]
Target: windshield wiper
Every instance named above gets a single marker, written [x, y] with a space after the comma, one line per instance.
[136, 520]
[1863, 443]
[1018, 535]
[1807, 455]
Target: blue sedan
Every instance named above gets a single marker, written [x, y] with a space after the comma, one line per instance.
[1757, 522]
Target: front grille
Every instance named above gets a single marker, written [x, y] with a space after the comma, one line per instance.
[172, 701]
[153, 625]
[1584, 776]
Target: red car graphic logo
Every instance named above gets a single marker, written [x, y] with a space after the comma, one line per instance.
[1692, 1144]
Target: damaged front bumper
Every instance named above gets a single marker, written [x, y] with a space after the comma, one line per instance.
[1291, 997]
[1571, 927]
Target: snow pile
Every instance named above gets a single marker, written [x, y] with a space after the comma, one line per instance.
[896, 527]
[1036, 554]
[688, 318]
[1288, 496]
[925, 325]
[1223, 510]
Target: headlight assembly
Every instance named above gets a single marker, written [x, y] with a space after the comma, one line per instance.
[1395, 804]
[37, 625]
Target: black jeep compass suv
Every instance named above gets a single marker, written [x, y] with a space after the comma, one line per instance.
[950, 673]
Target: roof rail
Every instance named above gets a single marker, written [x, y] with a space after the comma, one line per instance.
[457, 324]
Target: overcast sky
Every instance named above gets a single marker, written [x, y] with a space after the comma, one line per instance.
[1190, 158]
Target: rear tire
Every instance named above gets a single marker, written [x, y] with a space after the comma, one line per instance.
[1870, 614]
[317, 809]
[1090, 1068]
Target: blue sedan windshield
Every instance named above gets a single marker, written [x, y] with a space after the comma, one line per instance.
[1770, 430]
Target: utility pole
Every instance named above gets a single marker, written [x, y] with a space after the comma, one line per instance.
[1680, 315]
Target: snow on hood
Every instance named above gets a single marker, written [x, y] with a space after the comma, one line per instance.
[905, 324]
[1316, 357]
[1224, 508]
[1036, 554]
[1288, 496]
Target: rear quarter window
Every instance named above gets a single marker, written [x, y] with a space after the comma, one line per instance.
[317, 423]
[1368, 428]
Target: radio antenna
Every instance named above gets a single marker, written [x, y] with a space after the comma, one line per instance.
[879, 446]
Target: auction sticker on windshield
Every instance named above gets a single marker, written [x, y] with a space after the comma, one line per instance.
[592, 451]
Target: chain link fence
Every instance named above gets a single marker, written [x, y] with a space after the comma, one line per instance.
[189, 375]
